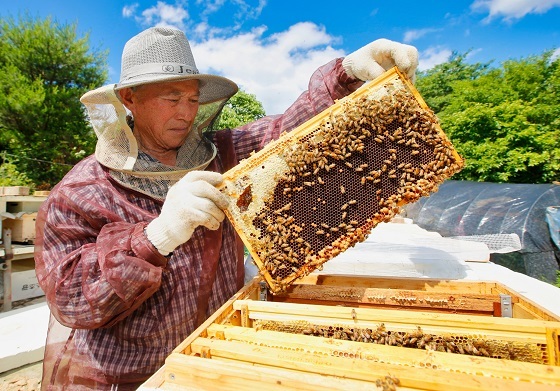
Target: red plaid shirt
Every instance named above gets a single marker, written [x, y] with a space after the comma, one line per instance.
[128, 306]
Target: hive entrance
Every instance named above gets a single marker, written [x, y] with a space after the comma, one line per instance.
[320, 189]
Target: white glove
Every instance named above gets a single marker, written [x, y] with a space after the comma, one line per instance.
[372, 60]
[192, 201]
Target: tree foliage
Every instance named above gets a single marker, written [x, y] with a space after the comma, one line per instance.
[504, 121]
[241, 109]
[44, 69]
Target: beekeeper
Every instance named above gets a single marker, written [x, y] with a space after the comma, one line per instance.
[132, 249]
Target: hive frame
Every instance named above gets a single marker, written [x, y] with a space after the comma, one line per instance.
[253, 186]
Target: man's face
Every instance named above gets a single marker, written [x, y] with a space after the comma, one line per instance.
[163, 113]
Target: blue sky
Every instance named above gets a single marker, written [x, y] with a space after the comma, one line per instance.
[271, 47]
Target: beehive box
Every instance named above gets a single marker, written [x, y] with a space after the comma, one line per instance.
[349, 342]
[14, 190]
[321, 188]
[23, 228]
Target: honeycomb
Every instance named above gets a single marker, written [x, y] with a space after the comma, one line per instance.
[466, 344]
[323, 187]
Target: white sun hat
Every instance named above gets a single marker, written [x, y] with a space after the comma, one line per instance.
[161, 54]
[156, 55]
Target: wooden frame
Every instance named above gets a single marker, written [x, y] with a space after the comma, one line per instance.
[231, 351]
[252, 183]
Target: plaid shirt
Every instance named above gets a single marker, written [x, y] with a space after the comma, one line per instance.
[128, 305]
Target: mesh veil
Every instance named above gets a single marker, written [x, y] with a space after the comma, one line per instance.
[118, 149]
[156, 55]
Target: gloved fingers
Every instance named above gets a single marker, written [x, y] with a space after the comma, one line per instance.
[213, 178]
[204, 189]
[405, 57]
[372, 60]
[389, 54]
[372, 71]
[208, 215]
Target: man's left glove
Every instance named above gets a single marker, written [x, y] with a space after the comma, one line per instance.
[191, 202]
[372, 60]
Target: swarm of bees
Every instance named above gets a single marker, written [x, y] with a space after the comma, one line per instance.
[388, 383]
[353, 171]
[417, 339]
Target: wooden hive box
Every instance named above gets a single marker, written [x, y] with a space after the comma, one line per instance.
[23, 227]
[14, 190]
[336, 333]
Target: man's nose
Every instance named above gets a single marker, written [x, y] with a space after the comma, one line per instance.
[186, 110]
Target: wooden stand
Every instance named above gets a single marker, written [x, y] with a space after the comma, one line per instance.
[260, 340]
[15, 201]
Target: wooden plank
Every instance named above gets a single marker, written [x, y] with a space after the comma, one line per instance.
[224, 314]
[404, 298]
[205, 374]
[522, 307]
[506, 369]
[14, 190]
[421, 378]
[526, 307]
[41, 193]
[411, 283]
[382, 306]
[553, 346]
[515, 329]
[154, 382]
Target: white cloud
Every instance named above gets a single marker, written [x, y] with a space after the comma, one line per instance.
[129, 10]
[433, 56]
[555, 54]
[163, 14]
[275, 69]
[413, 35]
[510, 10]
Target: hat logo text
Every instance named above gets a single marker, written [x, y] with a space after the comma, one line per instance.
[179, 69]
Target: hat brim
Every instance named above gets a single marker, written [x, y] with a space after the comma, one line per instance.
[212, 88]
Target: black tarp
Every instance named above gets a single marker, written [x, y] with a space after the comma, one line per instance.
[464, 208]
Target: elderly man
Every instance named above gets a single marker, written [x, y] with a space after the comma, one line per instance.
[132, 250]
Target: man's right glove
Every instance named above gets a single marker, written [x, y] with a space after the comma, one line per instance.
[373, 59]
[192, 201]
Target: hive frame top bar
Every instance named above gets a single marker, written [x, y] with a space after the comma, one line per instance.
[314, 122]
[246, 200]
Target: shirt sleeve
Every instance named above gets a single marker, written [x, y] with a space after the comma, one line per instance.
[327, 84]
[94, 267]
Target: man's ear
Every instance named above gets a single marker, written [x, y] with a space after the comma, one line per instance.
[125, 96]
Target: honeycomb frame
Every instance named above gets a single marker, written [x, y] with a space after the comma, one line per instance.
[321, 188]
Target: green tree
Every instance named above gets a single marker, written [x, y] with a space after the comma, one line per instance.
[44, 69]
[504, 121]
[242, 108]
[437, 84]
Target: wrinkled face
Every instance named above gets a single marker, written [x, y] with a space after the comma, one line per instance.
[163, 113]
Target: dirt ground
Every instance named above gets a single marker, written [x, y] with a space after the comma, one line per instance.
[26, 378]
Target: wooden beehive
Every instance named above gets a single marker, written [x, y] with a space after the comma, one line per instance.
[23, 227]
[321, 188]
[303, 340]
